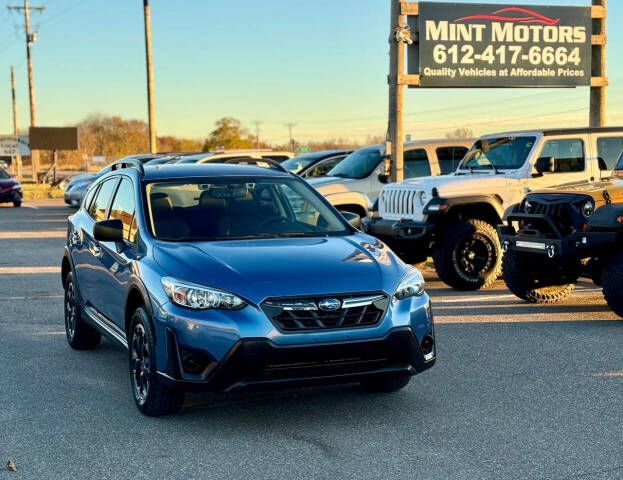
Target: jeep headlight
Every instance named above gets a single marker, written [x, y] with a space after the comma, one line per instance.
[588, 208]
[423, 198]
[411, 286]
[198, 297]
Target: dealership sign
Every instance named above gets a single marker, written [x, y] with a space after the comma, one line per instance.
[8, 146]
[486, 45]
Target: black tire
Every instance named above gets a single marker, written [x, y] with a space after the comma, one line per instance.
[467, 255]
[532, 281]
[385, 384]
[612, 283]
[151, 397]
[17, 204]
[80, 335]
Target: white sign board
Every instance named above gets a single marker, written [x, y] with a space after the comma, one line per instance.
[8, 146]
[98, 159]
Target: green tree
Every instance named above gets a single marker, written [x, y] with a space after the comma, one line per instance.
[229, 134]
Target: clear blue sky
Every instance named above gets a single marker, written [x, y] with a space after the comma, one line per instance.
[321, 64]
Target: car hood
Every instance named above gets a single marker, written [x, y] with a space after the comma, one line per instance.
[332, 185]
[8, 183]
[453, 185]
[257, 269]
[82, 178]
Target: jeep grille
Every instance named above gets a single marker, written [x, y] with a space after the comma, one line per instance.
[400, 202]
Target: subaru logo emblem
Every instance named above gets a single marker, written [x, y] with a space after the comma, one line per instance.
[329, 304]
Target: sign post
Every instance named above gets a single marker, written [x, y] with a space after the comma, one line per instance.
[487, 45]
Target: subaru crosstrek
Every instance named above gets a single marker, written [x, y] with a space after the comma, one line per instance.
[225, 276]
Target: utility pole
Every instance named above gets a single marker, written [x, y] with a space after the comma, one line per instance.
[290, 126]
[257, 133]
[396, 93]
[598, 68]
[30, 39]
[153, 144]
[16, 163]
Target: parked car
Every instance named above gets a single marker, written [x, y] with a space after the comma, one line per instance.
[315, 164]
[215, 277]
[10, 189]
[219, 157]
[554, 236]
[77, 186]
[354, 184]
[454, 217]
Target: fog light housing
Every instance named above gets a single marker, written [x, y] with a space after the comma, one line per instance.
[505, 246]
[194, 363]
[428, 347]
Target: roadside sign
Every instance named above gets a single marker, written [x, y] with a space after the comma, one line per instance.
[489, 45]
[53, 138]
[98, 159]
[304, 149]
[8, 146]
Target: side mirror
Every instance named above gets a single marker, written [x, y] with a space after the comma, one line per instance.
[108, 231]
[545, 165]
[352, 218]
[383, 178]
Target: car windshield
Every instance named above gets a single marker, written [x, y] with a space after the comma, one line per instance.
[505, 153]
[4, 175]
[619, 165]
[296, 164]
[358, 164]
[247, 208]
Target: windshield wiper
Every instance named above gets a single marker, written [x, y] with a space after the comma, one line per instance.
[341, 175]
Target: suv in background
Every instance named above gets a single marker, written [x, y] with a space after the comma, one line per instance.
[215, 277]
[453, 217]
[556, 235]
[315, 164]
[354, 184]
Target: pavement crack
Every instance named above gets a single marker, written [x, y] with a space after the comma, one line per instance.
[324, 447]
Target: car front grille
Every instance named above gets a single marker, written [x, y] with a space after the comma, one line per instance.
[307, 314]
[400, 202]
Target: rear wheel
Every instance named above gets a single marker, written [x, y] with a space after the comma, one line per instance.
[534, 282]
[80, 335]
[467, 255]
[151, 397]
[385, 384]
[17, 204]
[612, 283]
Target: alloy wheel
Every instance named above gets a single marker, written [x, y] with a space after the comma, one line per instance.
[140, 363]
[70, 310]
[474, 255]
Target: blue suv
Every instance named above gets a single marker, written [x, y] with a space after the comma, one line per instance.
[222, 276]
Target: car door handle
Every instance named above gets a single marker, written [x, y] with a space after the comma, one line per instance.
[95, 250]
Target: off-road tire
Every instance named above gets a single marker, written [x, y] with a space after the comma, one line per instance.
[17, 204]
[150, 395]
[80, 335]
[613, 283]
[448, 259]
[523, 277]
[385, 384]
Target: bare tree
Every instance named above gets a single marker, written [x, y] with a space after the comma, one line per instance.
[460, 133]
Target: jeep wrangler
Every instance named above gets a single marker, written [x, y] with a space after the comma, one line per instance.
[555, 236]
[454, 217]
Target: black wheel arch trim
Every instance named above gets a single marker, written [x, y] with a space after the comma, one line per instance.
[469, 200]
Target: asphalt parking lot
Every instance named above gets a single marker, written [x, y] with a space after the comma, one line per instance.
[519, 391]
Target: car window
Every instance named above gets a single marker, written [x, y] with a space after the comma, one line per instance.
[609, 149]
[358, 164]
[123, 208]
[323, 167]
[568, 154]
[89, 196]
[449, 158]
[222, 209]
[503, 153]
[416, 163]
[4, 175]
[98, 207]
[277, 158]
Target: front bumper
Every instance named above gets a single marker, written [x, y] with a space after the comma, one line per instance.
[260, 362]
[74, 198]
[397, 229]
[553, 246]
[9, 196]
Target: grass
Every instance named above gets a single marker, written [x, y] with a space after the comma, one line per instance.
[35, 192]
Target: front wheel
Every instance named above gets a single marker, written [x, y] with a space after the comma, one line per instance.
[612, 284]
[467, 255]
[533, 282]
[385, 384]
[17, 204]
[151, 397]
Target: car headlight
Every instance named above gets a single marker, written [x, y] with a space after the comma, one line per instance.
[588, 208]
[410, 286]
[527, 206]
[423, 198]
[17, 187]
[198, 297]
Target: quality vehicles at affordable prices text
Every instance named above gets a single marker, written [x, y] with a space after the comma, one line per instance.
[555, 236]
[216, 277]
[453, 217]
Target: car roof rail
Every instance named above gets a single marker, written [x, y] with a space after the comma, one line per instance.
[257, 161]
[130, 163]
